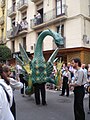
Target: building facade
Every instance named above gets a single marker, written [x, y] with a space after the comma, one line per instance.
[3, 22]
[27, 19]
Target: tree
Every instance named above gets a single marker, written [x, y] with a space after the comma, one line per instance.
[5, 53]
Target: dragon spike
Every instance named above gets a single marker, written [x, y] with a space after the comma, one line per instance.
[50, 31]
[51, 59]
[24, 54]
[19, 60]
[55, 60]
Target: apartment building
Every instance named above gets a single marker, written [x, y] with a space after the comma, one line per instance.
[2, 22]
[69, 17]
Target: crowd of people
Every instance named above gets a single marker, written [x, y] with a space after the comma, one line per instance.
[74, 76]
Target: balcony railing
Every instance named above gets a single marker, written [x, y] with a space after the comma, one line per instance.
[2, 3]
[34, 0]
[53, 15]
[20, 29]
[1, 20]
[22, 4]
[12, 11]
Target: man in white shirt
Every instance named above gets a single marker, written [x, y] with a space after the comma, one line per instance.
[79, 91]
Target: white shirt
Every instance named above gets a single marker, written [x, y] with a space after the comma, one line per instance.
[5, 113]
[80, 77]
[67, 74]
[15, 84]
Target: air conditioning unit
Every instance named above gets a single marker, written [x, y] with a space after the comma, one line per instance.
[86, 39]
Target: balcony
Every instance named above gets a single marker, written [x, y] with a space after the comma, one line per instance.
[34, 1]
[1, 20]
[2, 3]
[22, 5]
[50, 17]
[18, 30]
[12, 11]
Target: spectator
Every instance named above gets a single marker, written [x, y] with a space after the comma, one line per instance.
[85, 70]
[38, 18]
[15, 84]
[35, 20]
[6, 97]
[71, 69]
[79, 90]
[88, 88]
[66, 79]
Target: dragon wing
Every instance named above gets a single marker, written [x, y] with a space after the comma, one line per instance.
[19, 60]
[24, 55]
[52, 57]
[50, 62]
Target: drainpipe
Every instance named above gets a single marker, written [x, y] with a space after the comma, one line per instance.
[89, 8]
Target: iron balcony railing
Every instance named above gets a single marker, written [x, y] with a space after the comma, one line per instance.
[34, 0]
[17, 30]
[1, 20]
[51, 15]
[12, 11]
[22, 4]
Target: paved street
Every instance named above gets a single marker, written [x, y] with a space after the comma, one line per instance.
[58, 107]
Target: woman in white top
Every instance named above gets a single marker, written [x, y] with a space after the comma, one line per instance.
[15, 84]
[5, 112]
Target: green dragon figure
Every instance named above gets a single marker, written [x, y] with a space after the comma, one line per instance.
[38, 70]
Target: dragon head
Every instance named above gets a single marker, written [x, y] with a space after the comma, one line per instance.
[59, 40]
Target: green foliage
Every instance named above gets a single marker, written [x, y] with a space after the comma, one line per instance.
[5, 53]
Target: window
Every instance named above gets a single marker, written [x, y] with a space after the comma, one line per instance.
[40, 10]
[3, 12]
[13, 22]
[60, 29]
[2, 33]
[13, 46]
[24, 15]
[24, 23]
[13, 4]
[60, 7]
[38, 36]
[24, 43]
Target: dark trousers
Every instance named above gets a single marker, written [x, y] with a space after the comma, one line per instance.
[65, 86]
[13, 109]
[24, 82]
[79, 93]
[89, 101]
[40, 88]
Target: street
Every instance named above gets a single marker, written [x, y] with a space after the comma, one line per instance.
[58, 107]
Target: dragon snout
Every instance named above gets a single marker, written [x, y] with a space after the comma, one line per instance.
[60, 42]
